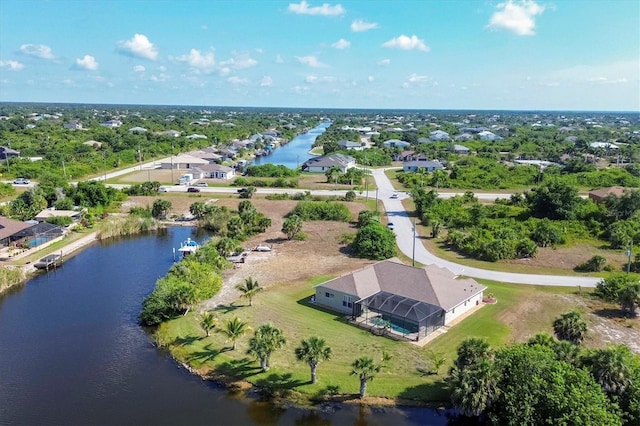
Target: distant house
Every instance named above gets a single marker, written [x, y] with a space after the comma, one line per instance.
[404, 156]
[395, 143]
[111, 123]
[356, 146]
[73, 125]
[171, 133]
[489, 136]
[414, 302]
[599, 195]
[603, 145]
[137, 130]
[183, 162]
[423, 140]
[463, 137]
[93, 144]
[8, 153]
[216, 171]
[325, 162]
[427, 165]
[439, 135]
[207, 154]
[196, 136]
[48, 213]
[461, 149]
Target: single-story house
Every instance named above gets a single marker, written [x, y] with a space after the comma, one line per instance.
[325, 162]
[93, 144]
[427, 165]
[171, 133]
[461, 149]
[603, 145]
[216, 171]
[207, 154]
[138, 130]
[463, 137]
[395, 143]
[439, 135]
[9, 228]
[183, 162]
[196, 136]
[47, 213]
[356, 146]
[111, 123]
[8, 153]
[599, 195]
[489, 136]
[73, 124]
[413, 302]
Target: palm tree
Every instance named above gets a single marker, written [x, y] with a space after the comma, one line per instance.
[249, 288]
[208, 322]
[366, 370]
[264, 342]
[475, 389]
[611, 367]
[542, 339]
[234, 329]
[313, 351]
[471, 351]
[630, 298]
[571, 327]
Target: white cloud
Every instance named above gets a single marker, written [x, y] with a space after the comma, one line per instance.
[370, 79]
[197, 60]
[301, 89]
[384, 62]
[11, 65]
[239, 61]
[37, 50]
[139, 47]
[360, 25]
[404, 42]
[415, 79]
[160, 78]
[139, 68]
[311, 78]
[87, 63]
[237, 80]
[611, 73]
[516, 16]
[266, 81]
[341, 44]
[326, 9]
[312, 61]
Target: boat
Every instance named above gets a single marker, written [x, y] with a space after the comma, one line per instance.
[48, 262]
[188, 247]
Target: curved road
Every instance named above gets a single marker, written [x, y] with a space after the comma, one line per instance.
[403, 227]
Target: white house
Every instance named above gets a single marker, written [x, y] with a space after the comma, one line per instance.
[427, 165]
[325, 162]
[344, 144]
[135, 130]
[183, 162]
[73, 124]
[111, 123]
[395, 143]
[414, 301]
[216, 171]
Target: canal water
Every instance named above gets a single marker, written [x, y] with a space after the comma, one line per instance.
[296, 152]
[72, 353]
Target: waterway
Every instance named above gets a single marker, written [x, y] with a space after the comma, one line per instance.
[72, 353]
[296, 152]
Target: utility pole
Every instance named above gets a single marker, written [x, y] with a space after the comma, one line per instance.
[413, 256]
[629, 256]
[104, 162]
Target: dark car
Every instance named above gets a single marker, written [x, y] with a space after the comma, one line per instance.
[241, 190]
[192, 189]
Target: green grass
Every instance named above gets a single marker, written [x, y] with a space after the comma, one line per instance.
[287, 307]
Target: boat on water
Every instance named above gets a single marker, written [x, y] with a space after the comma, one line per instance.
[188, 247]
[48, 262]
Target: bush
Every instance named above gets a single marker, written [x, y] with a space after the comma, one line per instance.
[609, 288]
[596, 264]
[375, 242]
[322, 210]
[60, 220]
[350, 196]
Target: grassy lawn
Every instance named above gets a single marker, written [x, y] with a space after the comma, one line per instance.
[287, 307]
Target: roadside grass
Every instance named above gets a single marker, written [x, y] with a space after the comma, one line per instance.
[288, 307]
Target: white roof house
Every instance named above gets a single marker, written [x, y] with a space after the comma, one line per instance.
[183, 162]
[603, 145]
[325, 162]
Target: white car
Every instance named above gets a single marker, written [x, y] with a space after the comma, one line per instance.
[21, 181]
[162, 189]
[394, 195]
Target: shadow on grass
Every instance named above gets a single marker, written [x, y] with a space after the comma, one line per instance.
[306, 301]
[240, 368]
[206, 354]
[185, 341]
[434, 391]
[278, 385]
[225, 309]
[610, 313]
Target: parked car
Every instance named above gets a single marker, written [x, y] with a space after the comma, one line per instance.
[202, 184]
[394, 195]
[193, 189]
[21, 181]
[241, 190]
[162, 189]
[390, 225]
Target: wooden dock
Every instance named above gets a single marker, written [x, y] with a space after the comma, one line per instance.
[48, 262]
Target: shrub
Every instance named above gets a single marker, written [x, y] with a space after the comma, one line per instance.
[322, 210]
[609, 288]
[595, 264]
[375, 241]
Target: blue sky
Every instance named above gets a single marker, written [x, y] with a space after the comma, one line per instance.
[418, 54]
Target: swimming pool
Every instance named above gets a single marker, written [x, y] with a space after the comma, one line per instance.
[396, 325]
[37, 241]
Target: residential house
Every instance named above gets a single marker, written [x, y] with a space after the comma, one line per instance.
[404, 156]
[489, 136]
[603, 145]
[461, 149]
[325, 162]
[207, 154]
[395, 143]
[356, 146]
[93, 144]
[111, 123]
[73, 125]
[6, 152]
[422, 163]
[216, 171]
[9, 228]
[196, 136]
[183, 162]
[463, 137]
[171, 133]
[599, 195]
[49, 213]
[414, 302]
[439, 135]
[137, 130]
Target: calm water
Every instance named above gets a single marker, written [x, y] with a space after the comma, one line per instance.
[296, 151]
[71, 352]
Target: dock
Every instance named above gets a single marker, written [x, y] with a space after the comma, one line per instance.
[48, 262]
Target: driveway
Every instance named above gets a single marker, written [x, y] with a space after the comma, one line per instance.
[411, 245]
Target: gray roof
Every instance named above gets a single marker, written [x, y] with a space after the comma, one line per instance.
[424, 164]
[431, 284]
[329, 160]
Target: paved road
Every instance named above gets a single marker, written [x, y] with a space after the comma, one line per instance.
[407, 243]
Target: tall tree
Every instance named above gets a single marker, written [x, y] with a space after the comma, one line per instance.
[611, 367]
[161, 209]
[471, 351]
[264, 342]
[208, 322]
[234, 329]
[313, 351]
[366, 370]
[571, 327]
[249, 288]
[292, 226]
[629, 298]
[474, 389]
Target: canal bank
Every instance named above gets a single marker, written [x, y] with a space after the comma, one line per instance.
[296, 151]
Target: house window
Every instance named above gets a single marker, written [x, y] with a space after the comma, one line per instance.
[347, 301]
[328, 295]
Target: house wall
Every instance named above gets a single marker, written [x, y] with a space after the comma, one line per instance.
[463, 307]
[334, 303]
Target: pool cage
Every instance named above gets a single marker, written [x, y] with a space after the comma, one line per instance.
[36, 235]
[398, 315]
